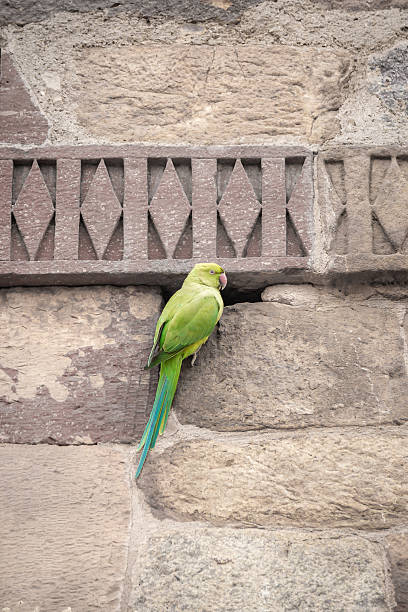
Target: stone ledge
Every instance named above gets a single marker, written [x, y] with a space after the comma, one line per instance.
[245, 274]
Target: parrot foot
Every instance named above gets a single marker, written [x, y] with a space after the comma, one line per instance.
[193, 359]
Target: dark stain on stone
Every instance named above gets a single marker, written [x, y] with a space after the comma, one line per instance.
[26, 11]
[195, 11]
[392, 84]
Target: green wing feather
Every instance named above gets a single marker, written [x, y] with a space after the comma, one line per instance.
[190, 323]
[179, 299]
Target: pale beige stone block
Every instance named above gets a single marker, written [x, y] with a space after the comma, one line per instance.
[304, 358]
[323, 479]
[203, 94]
[64, 528]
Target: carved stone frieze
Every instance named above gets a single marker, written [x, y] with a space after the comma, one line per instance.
[363, 198]
[140, 214]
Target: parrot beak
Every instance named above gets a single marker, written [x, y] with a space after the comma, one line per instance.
[223, 280]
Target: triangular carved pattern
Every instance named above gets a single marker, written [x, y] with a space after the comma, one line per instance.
[381, 243]
[239, 209]
[86, 250]
[379, 167]
[155, 248]
[184, 248]
[336, 174]
[336, 213]
[340, 240]
[33, 210]
[254, 244]
[170, 209]
[294, 245]
[299, 213]
[225, 248]
[391, 206]
[101, 210]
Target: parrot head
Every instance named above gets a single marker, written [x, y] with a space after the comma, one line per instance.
[209, 274]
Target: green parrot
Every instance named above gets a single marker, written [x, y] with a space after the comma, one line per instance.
[186, 322]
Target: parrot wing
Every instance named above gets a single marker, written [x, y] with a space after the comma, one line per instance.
[191, 322]
[177, 300]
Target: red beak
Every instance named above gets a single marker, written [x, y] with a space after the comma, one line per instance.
[223, 280]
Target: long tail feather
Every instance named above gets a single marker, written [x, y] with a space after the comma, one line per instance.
[158, 397]
[164, 420]
[169, 375]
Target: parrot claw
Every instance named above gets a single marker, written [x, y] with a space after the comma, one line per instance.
[193, 359]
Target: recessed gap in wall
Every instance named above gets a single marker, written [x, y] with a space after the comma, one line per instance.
[230, 296]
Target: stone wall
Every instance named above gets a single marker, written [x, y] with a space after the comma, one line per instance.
[281, 480]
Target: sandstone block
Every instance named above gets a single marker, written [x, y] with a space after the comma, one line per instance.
[231, 570]
[64, 528]
[72, 363]
[398, 553]
[333, 479]
[307, 358]
[203, 94]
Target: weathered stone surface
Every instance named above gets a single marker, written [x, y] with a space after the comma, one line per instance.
[306, 358]
[64, 528]
[229, 11]
[72, 363]
[332, 479]
[389, 77]
[21, 122]
[376, 110]
[203, 94]
[398, 553]
[198, 10]
[362, 202]
[225, 570]
[362, 5]
[47, 54]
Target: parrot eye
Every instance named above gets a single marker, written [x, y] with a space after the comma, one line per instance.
[212, 272]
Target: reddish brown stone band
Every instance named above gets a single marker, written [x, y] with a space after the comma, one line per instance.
[81, 215]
